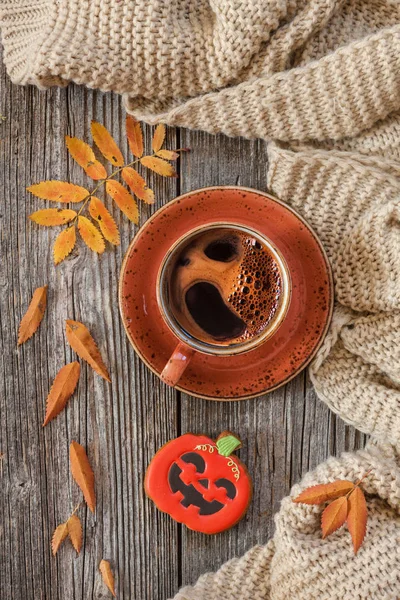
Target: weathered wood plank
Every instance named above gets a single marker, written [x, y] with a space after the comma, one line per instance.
[284, 433]
[121, 425]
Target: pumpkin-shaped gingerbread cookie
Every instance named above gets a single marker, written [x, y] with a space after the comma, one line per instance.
[199, 483]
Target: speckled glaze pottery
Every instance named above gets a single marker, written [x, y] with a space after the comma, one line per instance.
[279, 358]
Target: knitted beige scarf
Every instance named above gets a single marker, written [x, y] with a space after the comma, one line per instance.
[320, 79]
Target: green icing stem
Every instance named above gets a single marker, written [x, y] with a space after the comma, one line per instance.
[227, 444]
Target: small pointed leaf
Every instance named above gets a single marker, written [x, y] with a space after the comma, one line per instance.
[59, 536]
[75, 532]
[108, 226]
[334, 516]
[357, 518]
[33, 316]
[52, 216]
[158, 138]
[135, 136]
[82, 473]
[91, 235]
[168, 154]
[62, 389]
[84, 345]
[158, 165]
[64, 244]
[83, 154]
[58, 191]
[108, 577]
[318, 494]
[106, 144]
[123, 200]
[138, 185]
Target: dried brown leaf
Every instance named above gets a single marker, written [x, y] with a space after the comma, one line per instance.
[83, 154]
[334, 516]
[82, 473]
[106, 222]
[75, 532]
[357, 517]
[106, 144]
[158, 138]
[58, 191]
[64, 244]
[84, 345]
[158, 165]
[59, 536]
[50, 217]
[123, 200]
[63, 387]
[317, 494]
[138, 185]
[168, 154]
[135, 136]
[33, 316]
[91, 235]
[108, 577]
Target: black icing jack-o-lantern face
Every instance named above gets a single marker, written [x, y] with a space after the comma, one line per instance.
[199, 483]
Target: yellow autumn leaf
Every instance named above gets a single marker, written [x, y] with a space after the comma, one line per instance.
[123, 200]
[59, 536]
[64, 244]
[158, 138]
[158, 165]
[108, 226]
[74, 526]
[34, 315]
[106, 144]
[135, 136]
[91, 235]
[82, 472]
[58, 191]
[52, 216]
[137, 185]
[107, 575]
[83, 154]
[168, 154]
[63, 387]
[83, 344]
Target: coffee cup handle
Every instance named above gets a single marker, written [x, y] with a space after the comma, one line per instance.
[176, 365]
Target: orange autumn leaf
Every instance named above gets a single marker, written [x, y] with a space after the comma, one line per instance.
[168, 154]
[63, 387]
[33, 316]
[158, 138]
[53, 216]
[108, 577]
[158, 165]
[317, 494]
[75, 532]
[138, 185]
[135, 136]
[64, 244]
[108, 226]
[82, 473]
[83, 154]
[81, 341]
[91, 235]
[334, 516]
[58, 191]
[123, 200]
[357, 518]
[106, 144]
[59, 536]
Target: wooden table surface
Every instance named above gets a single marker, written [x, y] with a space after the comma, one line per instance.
[123, 424]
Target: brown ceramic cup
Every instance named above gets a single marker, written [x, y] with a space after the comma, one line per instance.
[187, 345]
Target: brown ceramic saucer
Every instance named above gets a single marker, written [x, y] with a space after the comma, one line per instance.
[278, 359]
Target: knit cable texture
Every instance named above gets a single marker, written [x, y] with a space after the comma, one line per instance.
[319, 79]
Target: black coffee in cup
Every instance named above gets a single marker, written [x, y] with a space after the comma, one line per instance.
[224, 286]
